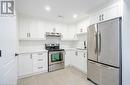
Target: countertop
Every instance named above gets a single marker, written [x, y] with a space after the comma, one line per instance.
[31, 52]
[40, 51]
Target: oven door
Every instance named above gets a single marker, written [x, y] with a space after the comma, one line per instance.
[56, 57]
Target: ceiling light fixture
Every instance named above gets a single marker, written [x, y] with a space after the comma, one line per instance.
[47, 8]
[75, 16]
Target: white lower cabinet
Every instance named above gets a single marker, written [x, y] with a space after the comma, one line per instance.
[29, 64]
[25, 65]
[82, 61]
[40, 62]
[77, 59]
[69, 57]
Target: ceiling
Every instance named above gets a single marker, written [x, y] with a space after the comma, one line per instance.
[61, 10]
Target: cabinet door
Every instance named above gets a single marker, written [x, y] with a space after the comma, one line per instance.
[42, 29]
[70, 58]
[33, 29]
[67, 57]
[82, 61]
[112, 12]
[94, 18]
[24, 64]
[23, 28]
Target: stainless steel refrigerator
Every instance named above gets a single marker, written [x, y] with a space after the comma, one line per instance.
[104, 52]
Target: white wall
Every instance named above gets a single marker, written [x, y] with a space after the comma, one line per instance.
[8, 46]
[126, 43]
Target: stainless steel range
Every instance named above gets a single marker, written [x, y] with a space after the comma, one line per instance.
[55, 57]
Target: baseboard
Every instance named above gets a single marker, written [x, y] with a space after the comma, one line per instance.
[29, 75]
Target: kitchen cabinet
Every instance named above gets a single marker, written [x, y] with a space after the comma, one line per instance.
[108, 13]
[34, 63]
[69, 57]
[81, 60]
[77, 59]
[40, 63]
[25, 64]
[24, 31]
[82, 26]
[33, 28]
[30, 29]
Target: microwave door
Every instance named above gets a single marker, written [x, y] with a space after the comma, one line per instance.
[92, 42]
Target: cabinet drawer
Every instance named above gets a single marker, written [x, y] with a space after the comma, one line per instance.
[39, 60]
[35, 64]
[39, 54]
[39, 68]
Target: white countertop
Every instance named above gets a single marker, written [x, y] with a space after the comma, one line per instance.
[31, 52]
[76, 49]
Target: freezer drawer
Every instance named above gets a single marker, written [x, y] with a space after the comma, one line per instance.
[109, 42]
[92, 42]
[109, 75]
[94, 72]
[102, 74]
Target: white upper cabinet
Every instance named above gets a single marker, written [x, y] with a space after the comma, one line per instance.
[82, 26]
[107, 13]
[36, 29]
[23, 28]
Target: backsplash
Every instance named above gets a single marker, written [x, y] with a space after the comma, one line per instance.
[34, 46]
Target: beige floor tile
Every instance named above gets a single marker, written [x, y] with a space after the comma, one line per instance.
[67, 76]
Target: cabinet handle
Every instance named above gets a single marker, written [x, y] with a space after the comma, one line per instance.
[40, 67]
[40, 59]
[76, 53]
[102, 16]
[31, 56]
[29, 34]
[40, 53]
[84, 55]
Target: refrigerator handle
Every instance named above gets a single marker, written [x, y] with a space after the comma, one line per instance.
[96, 49]
[99, 43]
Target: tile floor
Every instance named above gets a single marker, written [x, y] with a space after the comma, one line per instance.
[67, 76]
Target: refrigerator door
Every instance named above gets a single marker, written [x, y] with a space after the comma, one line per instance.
[108, 48]
[109, 75]
[92, 42]
[94, 72]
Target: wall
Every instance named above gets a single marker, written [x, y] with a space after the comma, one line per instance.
[126, 43]
[8, 47]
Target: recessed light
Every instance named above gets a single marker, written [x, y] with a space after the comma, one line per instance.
[75, 16]
[47, 8]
